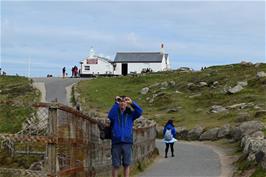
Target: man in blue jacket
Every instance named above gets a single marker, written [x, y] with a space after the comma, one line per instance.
[122, 116]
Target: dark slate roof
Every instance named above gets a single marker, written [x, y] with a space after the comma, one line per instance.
[139, 57]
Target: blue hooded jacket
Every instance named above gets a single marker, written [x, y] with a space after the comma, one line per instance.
[170, 126]
[122, 123]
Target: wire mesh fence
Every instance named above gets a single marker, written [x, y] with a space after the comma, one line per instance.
[61, 141]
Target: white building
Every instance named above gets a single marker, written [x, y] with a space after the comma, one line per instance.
[136, 62]
[125, 63]
[96, 65]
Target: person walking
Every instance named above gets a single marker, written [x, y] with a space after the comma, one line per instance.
[64, 72]
[169, 134]
[122, 116]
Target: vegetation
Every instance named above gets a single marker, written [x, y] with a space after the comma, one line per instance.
[16, 94]
[191, 104]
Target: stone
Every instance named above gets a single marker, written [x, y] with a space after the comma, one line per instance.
[195, 133]
[236, 133]
[203, 84]
[235, 89]
[258, 135]
[215, 83]
[224, 131]
[171, 110]
[172, 83]
[256, 145]
[217, 109]
[239, 105]
[250, 127]
[210, 134]
[242, 83]
[144, 91]
[181, 132]
[158, 94]
[164, 84]
[263, 162]
[261, 74]
[191, 86]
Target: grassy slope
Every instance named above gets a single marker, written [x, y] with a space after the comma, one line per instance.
[99, 94]
[16, 89]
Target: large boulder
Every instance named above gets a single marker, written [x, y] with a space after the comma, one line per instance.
[261, 74]
[242, 83]
[202, 84]
[258, 135]
[210, 134]
[172, 83]
[218, 109]
[236, 133]
[250, 127]
[144, 91]
[239, 105]
[181, 132]
[224, 131]
[235, 89]
[263, 161]
[256, 145]
[164, 84]
[195, 133]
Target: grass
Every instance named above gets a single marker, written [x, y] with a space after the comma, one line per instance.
[20, 91]
[98, 94]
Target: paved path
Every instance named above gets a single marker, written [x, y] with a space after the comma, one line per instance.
[191, 160]
[56, 88]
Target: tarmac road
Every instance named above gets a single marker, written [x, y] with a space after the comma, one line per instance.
[191, 160]
[55, 87]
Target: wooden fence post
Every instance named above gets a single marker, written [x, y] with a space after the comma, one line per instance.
[51, 147]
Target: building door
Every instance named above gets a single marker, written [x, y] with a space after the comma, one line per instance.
[124, 69]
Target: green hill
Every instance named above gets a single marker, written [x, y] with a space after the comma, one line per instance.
[184, 96]
[16, 93]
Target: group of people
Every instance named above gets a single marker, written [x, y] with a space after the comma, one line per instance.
[75, 72]
[122, 116]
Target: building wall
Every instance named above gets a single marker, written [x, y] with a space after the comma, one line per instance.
[137, 67]
[103, 67]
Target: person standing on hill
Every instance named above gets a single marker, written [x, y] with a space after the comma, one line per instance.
[169, 134]
[122, 116]
[64, 72]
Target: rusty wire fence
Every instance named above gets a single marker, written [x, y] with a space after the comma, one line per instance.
[62, 141]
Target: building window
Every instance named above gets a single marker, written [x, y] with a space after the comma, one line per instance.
[87, 68]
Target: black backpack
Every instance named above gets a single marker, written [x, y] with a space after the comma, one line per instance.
[105, 131]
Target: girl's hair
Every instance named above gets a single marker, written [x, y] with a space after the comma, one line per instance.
[170, 122]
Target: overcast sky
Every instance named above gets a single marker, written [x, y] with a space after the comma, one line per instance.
[52, 34]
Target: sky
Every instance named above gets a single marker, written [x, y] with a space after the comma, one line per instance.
[42, 37]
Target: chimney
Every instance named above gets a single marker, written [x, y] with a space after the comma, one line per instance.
[162, 49]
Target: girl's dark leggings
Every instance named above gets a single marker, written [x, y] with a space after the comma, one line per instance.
[167, 147]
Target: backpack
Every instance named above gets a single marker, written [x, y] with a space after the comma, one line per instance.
[168, 135]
